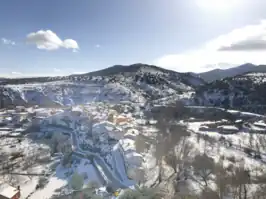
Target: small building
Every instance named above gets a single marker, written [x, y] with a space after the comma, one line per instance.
[227, 129]
[204, 128]
[20, 108]
[9, 192]
[121, 119]
[260, 124]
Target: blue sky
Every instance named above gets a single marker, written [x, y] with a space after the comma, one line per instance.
[65, 36]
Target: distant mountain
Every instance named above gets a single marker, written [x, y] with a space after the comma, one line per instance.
[116, 70]
[151, 81]
[218, 74]
[242, 92]
[137, 82]
[134, 68]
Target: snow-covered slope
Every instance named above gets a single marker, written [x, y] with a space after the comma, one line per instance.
[245, 92]
[119, 83]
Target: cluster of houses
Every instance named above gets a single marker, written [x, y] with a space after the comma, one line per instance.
[95, 132]
[238, 125]
[15, 117]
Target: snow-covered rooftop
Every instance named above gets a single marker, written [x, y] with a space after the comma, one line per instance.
[228, 127]
[260, 123]
[7, 190]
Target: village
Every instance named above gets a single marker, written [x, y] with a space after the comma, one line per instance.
[97, 134]
[44, 149]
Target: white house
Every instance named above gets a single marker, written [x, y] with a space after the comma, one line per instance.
[9, 192]
[227, 129]
[260, 124]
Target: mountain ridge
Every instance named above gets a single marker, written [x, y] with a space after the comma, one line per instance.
[109, 71]
[145, 82]
[218, 74]
[244, 92]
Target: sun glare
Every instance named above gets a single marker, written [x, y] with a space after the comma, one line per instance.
[217, 5]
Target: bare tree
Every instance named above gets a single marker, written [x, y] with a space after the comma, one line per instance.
[140, 176]
[42, 182]
[207, 193]
[239, 180]
[170, 132]
[179, 158]
[251, 139]
[143, 192]
[240, 144]
[140, 143]
[222, 181]
[67, 157]
[110, 117]
[204, 167]
[260, 192]
[160, 151]
[90, 190]
[172, 160]
[262, 142]
[257, 152]
[77, 181]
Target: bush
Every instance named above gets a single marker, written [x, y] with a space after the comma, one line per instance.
[230, 168]
[2, 124]
[257, 156]
[16, 155]
[18, 125]
[248, 151]
[231, 159]
[41, 183]
[76, 181]
[147, 193]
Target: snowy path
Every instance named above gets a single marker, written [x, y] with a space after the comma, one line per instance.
[120, 165]
[117, 179]
[109, 176]
[112, 181]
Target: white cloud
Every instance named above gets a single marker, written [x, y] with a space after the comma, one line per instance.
[48, 40]
[16, 73]
[57, 70]
[8, 42]
[246, 44]
[97, 45]
[249, 38]
[70, 44]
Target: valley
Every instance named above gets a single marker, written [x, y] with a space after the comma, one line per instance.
[142, 126]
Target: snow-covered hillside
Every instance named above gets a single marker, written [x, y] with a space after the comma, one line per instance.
[65, 93]
[134, 125]
[103, 143]
[137, 83]
[245, 92]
